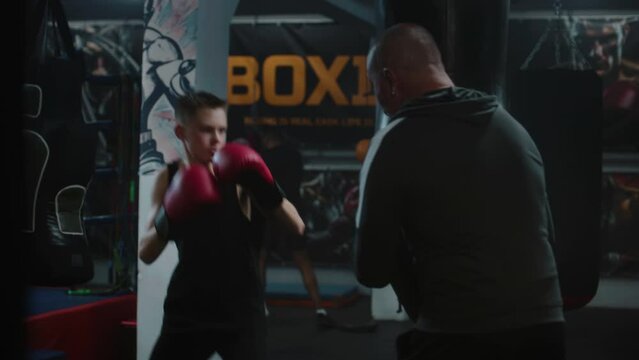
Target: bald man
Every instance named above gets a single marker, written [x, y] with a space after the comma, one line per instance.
[454, 214]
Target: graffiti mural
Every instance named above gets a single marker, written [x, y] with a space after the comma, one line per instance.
[168, 71]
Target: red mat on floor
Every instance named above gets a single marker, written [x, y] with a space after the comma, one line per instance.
[88, 331]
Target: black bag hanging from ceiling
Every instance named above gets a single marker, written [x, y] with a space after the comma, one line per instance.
[59, 151]
[560, 106]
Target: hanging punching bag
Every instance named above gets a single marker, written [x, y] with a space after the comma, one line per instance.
[560, 104]
[561, 109]
[59, 151]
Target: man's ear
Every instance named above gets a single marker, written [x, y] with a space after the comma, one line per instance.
[390, 78]
[179, 131]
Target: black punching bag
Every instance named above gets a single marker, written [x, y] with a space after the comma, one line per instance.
[562, 111]
[59, 151]
[471, 36]
[557, 97]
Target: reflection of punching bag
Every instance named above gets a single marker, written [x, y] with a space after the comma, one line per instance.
[59, 151]
[562, 111]
[471, 36]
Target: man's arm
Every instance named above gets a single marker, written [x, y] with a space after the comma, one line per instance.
[284, 215]
[378, 226]
[383, 252]
[287, 216]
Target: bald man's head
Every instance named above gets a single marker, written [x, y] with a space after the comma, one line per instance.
[408, 47]
[405, 63]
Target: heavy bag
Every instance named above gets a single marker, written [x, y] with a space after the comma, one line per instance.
[562, 111]
[54, 70]
[59, 151]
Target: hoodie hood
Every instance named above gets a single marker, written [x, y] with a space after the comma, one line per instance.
[454, 102]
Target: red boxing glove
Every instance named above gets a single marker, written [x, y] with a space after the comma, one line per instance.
[240, 164]
[191, 188]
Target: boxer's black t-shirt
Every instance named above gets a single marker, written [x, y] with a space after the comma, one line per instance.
[215, 283]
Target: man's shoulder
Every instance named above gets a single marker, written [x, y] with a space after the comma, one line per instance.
[390, 135]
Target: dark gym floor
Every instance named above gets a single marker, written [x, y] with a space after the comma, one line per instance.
[293, 334]
[592, 333]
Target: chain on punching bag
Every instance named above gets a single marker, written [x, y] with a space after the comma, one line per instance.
[59, 151]
[557, 99]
